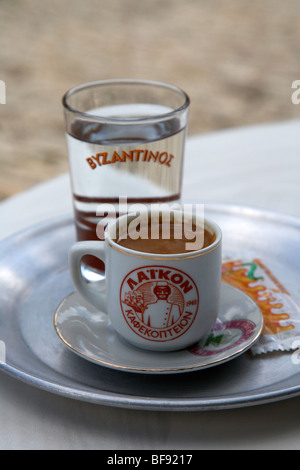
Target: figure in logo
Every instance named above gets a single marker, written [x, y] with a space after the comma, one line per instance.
[160, 313]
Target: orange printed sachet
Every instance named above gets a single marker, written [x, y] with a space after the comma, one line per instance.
[280, 312]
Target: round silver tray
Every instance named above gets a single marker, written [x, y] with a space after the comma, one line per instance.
[34, 278]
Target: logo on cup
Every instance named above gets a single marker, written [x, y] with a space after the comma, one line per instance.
[159, 303]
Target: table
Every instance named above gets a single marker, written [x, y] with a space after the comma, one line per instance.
[254, 166]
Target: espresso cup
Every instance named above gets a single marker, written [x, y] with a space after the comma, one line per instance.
[159, 298]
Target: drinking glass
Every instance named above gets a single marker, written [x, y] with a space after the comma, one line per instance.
[126, 141]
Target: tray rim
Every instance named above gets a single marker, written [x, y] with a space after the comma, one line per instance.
[98, 396]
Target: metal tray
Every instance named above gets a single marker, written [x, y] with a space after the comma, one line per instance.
[34, 278]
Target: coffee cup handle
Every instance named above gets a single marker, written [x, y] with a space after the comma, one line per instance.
[84, 287]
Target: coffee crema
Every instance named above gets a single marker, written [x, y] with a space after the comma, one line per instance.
[174, 239]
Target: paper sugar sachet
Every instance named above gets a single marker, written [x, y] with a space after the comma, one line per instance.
[280, 311]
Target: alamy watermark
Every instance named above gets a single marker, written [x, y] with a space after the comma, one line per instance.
[296, 353]
[2, 92]
[187, 221]
[296, 94]
[2, 352]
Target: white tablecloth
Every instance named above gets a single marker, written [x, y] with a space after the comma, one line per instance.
[255, 166]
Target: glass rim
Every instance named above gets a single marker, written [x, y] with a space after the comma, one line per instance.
[126, 81]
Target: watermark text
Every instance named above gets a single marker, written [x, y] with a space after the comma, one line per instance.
[154, 221]
[296, 94]
[2, 92]
[2, 352]
[296, 353]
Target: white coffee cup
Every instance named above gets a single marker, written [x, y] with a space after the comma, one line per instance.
[159, 302]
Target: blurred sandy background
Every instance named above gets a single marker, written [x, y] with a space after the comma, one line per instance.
[235, 58]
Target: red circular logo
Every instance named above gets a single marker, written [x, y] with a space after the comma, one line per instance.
[159, 303]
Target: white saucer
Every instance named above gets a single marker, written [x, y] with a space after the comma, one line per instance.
[89, 333]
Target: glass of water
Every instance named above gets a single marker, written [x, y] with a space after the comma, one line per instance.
[126, 141]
